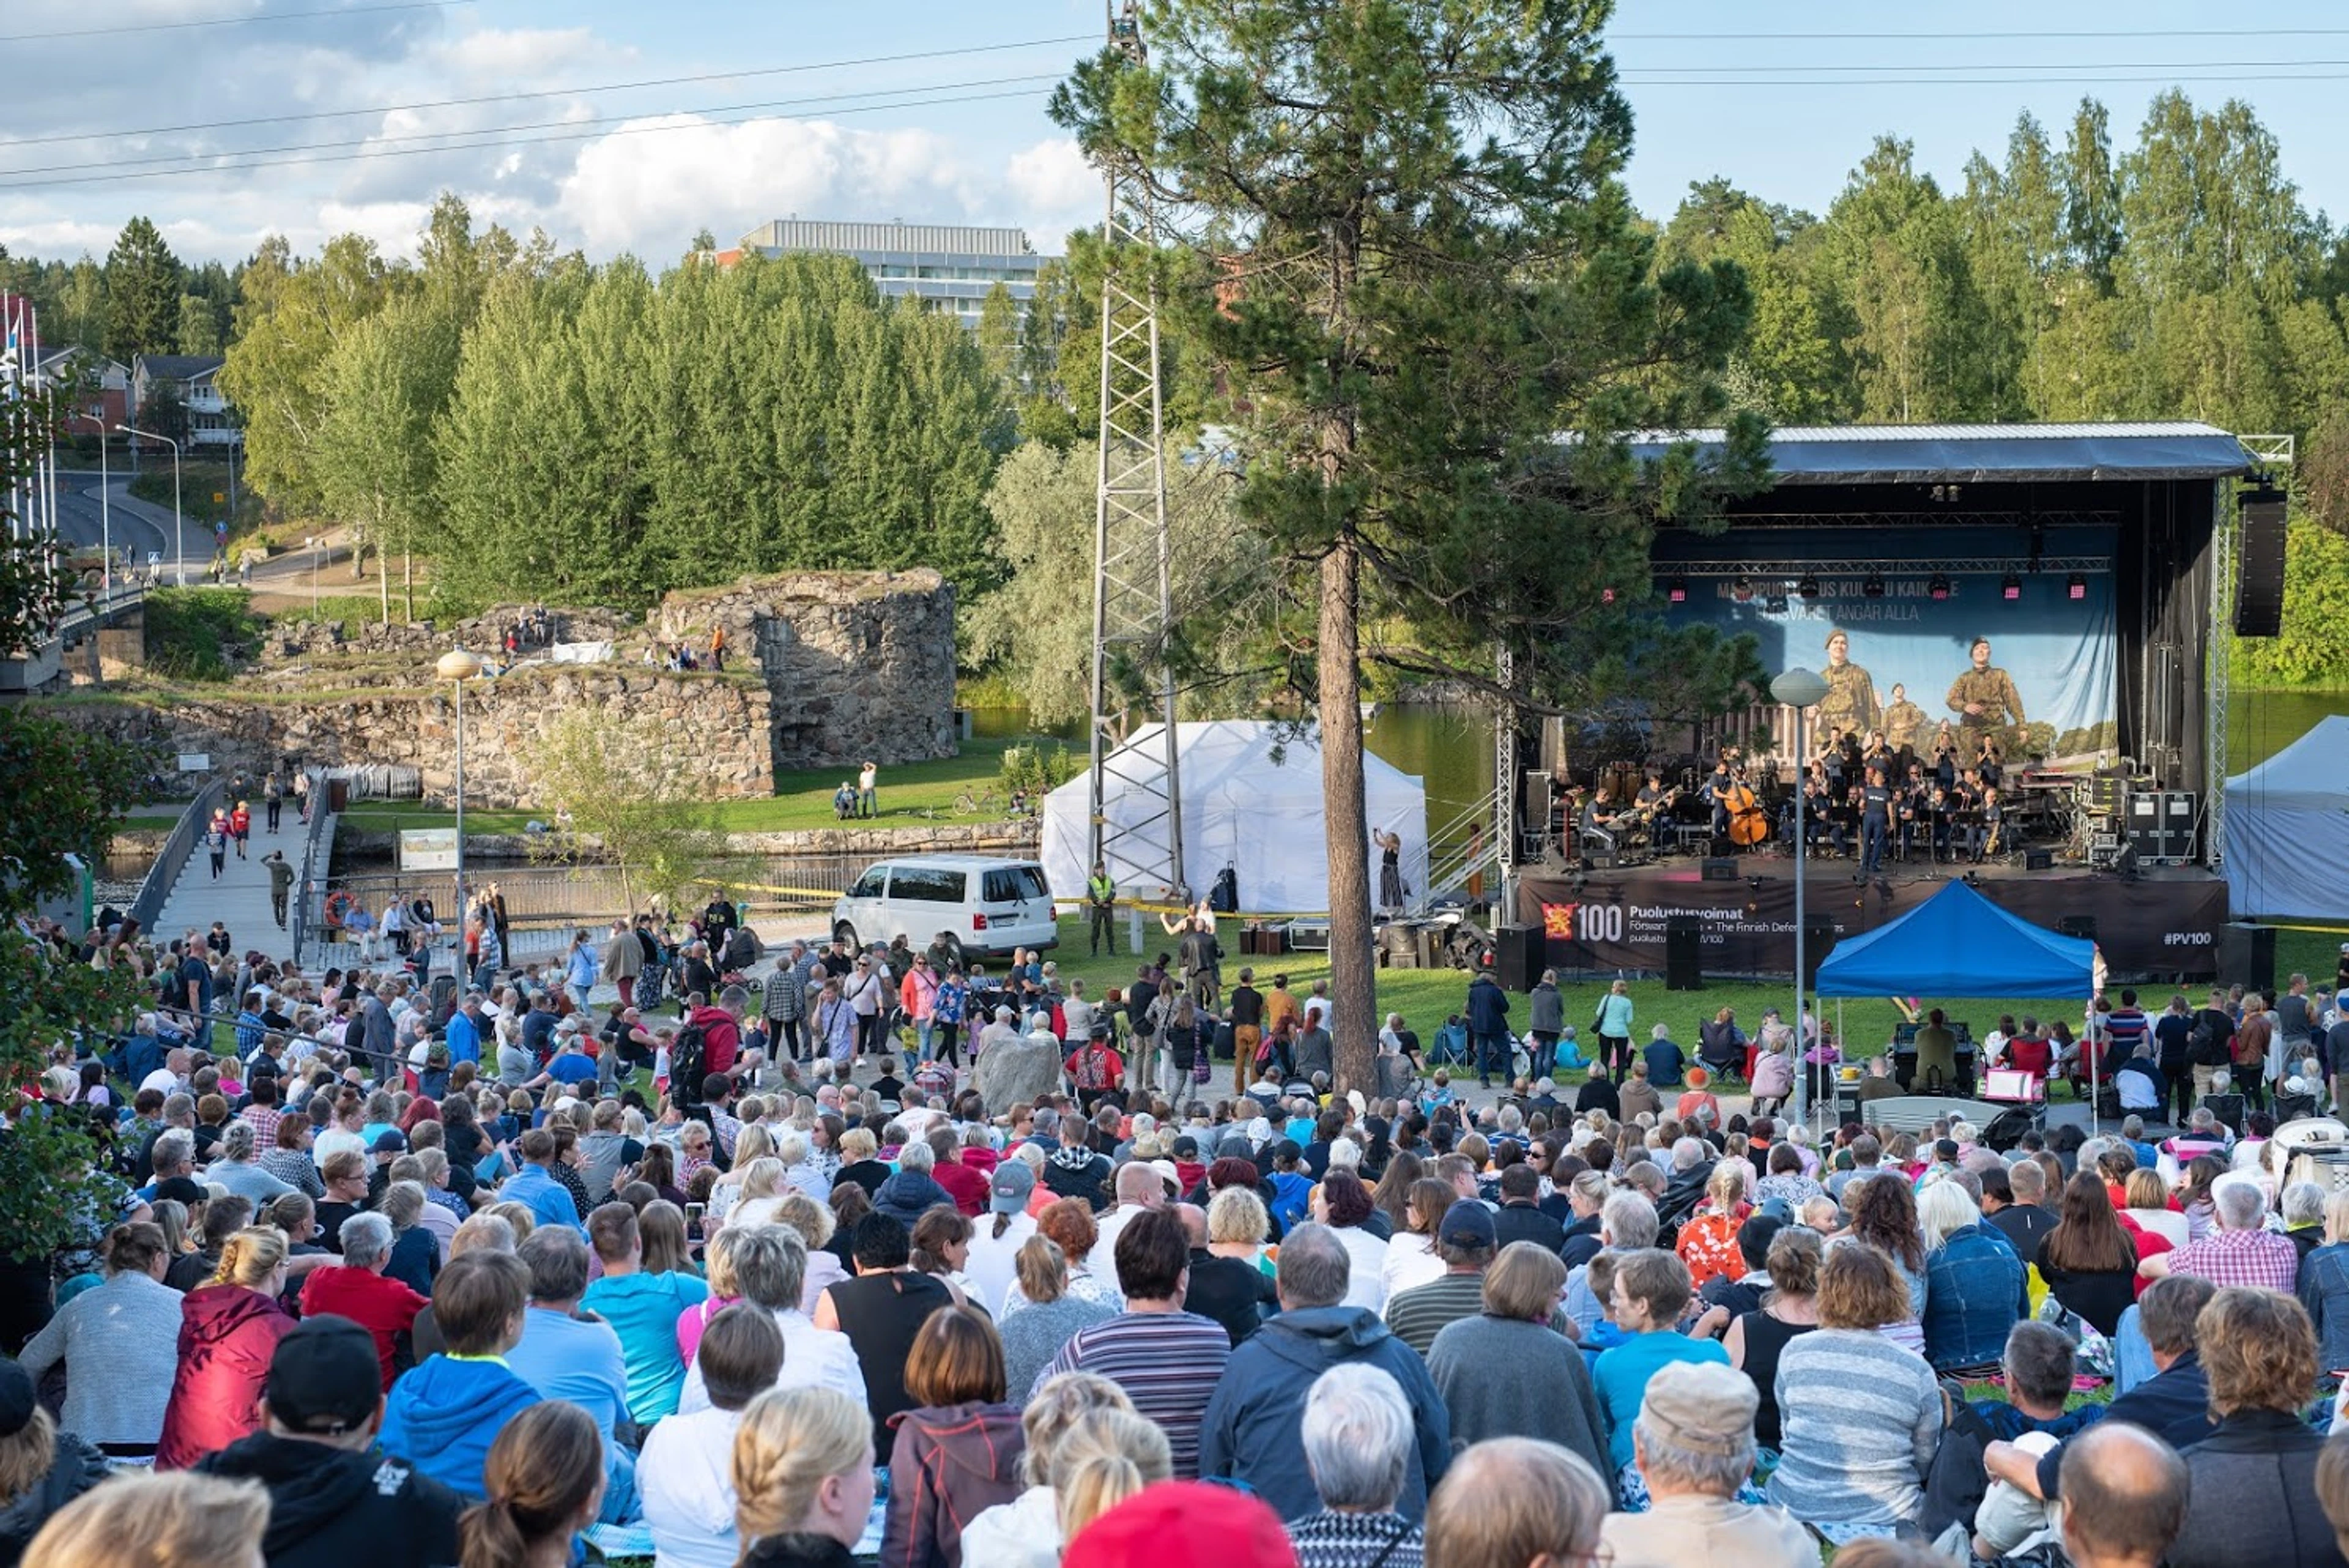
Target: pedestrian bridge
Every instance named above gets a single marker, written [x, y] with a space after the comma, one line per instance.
[108, 626]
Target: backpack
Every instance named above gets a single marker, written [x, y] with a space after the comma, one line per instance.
[687, 1058]
[2206, 1049]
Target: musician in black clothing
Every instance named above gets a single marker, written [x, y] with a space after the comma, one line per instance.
[1875, 821]
[1598, 819]
[1988, 766]
[1988, 836]
[1712, 791]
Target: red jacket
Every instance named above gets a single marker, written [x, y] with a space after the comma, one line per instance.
[378, 1303]
[227, 1334]
[947, 1463]
[966, 1184]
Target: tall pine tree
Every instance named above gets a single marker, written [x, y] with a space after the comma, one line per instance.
[1413, 268]
[142, 293]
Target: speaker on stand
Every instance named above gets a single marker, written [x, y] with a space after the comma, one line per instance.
[1683, 953]
[1517, 955]
[2246, 955]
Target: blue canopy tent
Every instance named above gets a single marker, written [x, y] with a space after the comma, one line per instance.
[1959, 943]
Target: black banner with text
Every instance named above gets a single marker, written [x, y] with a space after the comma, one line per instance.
[1618, 920]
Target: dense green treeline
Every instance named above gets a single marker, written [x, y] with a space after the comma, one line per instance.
[2181, 278]
[531, 424]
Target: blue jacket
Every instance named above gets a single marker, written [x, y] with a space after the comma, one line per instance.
[548, 1200]
[1489, 1007]
[1974, 1291]
[442, 1415]
[1250, 1431]
[2323, 1289]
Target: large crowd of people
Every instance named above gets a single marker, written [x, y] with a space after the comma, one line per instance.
[408, 1275]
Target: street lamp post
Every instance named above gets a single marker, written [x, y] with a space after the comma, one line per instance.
[1800, 690]
[456, 666]
[105, 506]
[178, 517]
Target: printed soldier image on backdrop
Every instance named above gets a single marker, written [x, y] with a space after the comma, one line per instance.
[2035, 675]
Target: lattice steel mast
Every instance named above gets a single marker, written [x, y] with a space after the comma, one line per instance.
[1133, 684]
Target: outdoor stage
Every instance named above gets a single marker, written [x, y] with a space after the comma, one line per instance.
[2161, 924]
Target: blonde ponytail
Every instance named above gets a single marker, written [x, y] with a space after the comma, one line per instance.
[789, 1442]
[1106, 1457]
[250, 1256]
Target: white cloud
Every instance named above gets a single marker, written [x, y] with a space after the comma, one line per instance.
[511, 56]
[1053, 177]
[648, 190]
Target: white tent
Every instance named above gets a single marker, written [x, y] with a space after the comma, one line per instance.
[2288, 828]
[1251, 802]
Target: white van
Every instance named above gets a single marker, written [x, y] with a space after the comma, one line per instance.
[989, 905]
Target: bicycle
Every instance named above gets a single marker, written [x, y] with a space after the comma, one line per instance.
[969, 805]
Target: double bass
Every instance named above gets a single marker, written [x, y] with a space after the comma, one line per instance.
[1749, 824]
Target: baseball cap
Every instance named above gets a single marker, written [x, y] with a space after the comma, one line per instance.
[392, 1140]
[1468, 1223]
[180, 1189]
[1185, 1524]
[1702, 1407]
[325, 1377]
[1010, 1186]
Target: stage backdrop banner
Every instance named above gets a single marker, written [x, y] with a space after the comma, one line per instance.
[1906, 662]
[1617, 921]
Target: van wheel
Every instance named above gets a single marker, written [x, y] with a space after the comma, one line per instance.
[842, 931]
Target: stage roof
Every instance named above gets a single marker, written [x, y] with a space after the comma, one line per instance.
[1983, 454]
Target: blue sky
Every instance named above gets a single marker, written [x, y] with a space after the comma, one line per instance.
[89, 121]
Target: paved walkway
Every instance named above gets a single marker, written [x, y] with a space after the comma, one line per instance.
[240, 895]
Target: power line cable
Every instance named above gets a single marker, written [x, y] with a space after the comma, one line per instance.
[8, 183]
[2021, 65]
[496, 135]
[1632, 79]
[551, 92]
[1895, 38]
[332, 11]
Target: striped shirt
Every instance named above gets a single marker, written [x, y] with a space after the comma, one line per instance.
[1167, 1362]
[1862, 1417]
[1417, 1315]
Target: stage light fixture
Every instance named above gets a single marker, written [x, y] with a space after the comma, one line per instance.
[1808, 586]
[1939, 586]
[1775, 603]
[2075, 586]
[1676, 591]
[1741, 590]
[2009, 587]
[1874, 586]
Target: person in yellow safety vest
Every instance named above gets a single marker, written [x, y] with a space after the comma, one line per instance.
[1101, 896]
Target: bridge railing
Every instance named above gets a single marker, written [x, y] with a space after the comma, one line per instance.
[156, 888]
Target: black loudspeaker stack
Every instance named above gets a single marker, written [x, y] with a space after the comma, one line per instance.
[1683, 953]
[2246, 955]
[1818, 941]
[2259, 575]
[1518, 957]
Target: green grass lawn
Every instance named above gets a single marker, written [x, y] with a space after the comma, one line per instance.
[913, 794]
[1426, 997]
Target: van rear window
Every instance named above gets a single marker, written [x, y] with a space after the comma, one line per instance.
[926, 885]
[1015, 883]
